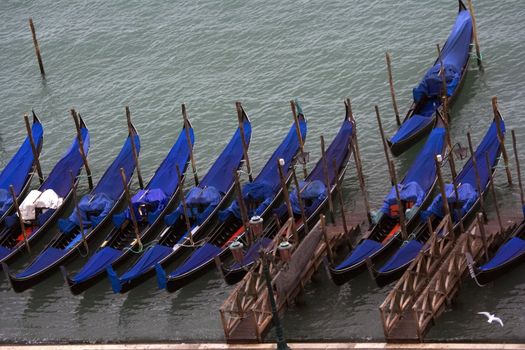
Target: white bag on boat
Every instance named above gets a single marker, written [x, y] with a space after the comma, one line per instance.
[48, 200]
[27, 208]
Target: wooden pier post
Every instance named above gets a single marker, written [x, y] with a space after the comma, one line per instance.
[240, 113]
[134, 148]
[286, 195]
[518, 170]
[501, 138]
[181, 180]
[478, 181]
[400, 205]
[479, 219]
[242, 208]
[444, 194]
[475, 33]
[392, 92]
[444, 92]
[329, 252]
[20, 220]
[385, 147]
[338, 186]
[493, 191]
[37, 48]
[300, 137]
[360, 176]
[130, 207]
[81, 147]
[74, 187]
[457, 203]
[301, 204]
[187, 127]
[327, 181]
[34, 149]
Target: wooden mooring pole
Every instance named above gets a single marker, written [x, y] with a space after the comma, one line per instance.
[184, 206]
[339, 189]
[286, 194]
[81, 147]
[475, 34]
[301, 203]
[385, 147]
[327, 181]
[130, 207]
[20, 219]
[392, 92]
[400, 205]
[493, 191]
[74, 186]
[37, 48]
[518, 170]
[242, 207]
[444, 199]
[34, 149]
[187, 127]
[134, 148]
[478, 181]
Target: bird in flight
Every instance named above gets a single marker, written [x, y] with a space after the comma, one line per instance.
[491, 318]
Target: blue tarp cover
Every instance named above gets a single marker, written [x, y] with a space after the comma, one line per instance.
[200, 202]
[510, 250]
[360, 253]
[154, 200]
[203, 254]
[146, 261]
[16, 171]
[93, 209]
[410, 192]
[46, 258]
[59, 179]
[258, 193]
[312, 193]
[97, 263]
[405, 254]
[467, 197]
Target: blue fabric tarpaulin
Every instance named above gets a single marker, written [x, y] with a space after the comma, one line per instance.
[410, 192]
[405, 254]
[200, 256]
[467, 197]
[360, 253]
[97, 263]
[510, 250]
[146, 261]
[47, 257]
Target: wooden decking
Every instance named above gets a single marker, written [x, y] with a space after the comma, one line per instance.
[434, 278]
[246, 314]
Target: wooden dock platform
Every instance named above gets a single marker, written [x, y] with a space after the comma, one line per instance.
[246, 314]
[434, 278]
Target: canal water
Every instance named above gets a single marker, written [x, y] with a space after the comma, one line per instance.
[153, 55]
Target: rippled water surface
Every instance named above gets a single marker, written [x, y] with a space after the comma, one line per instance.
[154, 55]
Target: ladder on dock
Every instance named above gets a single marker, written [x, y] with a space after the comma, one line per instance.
[246, 314]
[433, 279]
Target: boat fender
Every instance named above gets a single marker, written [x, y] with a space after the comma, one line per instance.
[113, 278]
[162, 280]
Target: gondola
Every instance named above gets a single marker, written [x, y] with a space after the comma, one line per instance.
[203, 203]
[507, 257]
[415, 191]
[260, 198]
[150, 204]
[20, 170]
[466, 184]
[95, 211]
[41, 207]
[421, 115]
[314, 196]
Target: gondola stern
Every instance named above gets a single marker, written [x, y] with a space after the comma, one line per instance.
[16, 284]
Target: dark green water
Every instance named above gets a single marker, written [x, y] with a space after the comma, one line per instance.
[154, 55]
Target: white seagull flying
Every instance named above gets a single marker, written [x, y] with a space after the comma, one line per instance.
[491, 318]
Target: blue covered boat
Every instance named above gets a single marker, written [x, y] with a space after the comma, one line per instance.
[314, 193]
[203, 203]
[455, 56]
[95, 211]
[41, 207]
[464, 208]
[260, 198]
[150, 205]
[415, 191]
[508, 256]
[20, 170]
